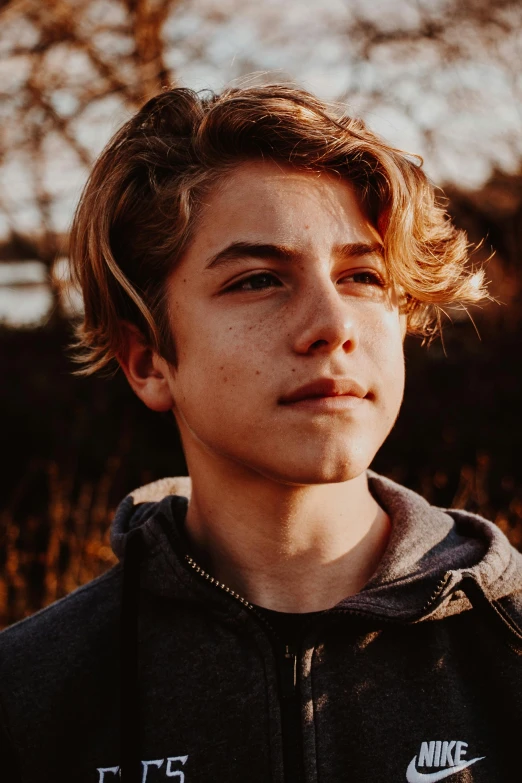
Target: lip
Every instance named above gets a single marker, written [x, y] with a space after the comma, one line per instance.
[332, 392]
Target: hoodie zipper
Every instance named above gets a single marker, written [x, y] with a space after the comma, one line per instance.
[287, 670]
[286, 659]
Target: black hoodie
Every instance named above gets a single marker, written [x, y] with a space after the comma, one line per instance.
[416, 678]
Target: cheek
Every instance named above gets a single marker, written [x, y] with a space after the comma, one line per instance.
[232, 343]
[218, 365]
[387, 352]
[395, 376]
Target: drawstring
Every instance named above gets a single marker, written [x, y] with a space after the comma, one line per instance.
[130, 763]
[493, 609]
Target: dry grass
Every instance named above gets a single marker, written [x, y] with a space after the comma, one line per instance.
[48, 556]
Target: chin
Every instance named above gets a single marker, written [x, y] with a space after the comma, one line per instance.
[306, 471]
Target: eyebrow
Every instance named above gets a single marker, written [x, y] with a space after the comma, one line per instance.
[240, 250]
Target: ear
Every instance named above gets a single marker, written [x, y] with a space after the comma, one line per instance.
[146, 371]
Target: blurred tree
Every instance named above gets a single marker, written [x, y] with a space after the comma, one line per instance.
[441, 77]
[68, 67]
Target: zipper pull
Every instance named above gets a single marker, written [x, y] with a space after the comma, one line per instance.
[288, 673]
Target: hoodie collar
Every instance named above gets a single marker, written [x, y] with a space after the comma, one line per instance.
[429, 552]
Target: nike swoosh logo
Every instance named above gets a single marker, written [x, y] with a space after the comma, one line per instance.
[412, 776]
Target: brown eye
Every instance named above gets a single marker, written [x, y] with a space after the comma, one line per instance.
[257, 282]
[366, 278]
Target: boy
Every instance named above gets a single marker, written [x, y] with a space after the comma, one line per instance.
[253, 261]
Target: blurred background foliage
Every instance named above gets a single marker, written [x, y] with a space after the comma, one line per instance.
[439, 77]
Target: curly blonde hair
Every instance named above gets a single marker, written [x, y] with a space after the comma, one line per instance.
[139, 208]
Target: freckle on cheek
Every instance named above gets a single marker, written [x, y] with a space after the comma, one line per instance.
[257, 372]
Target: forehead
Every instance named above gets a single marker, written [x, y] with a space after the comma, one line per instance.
[268, 202]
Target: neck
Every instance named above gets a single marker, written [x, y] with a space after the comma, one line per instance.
[287, 548]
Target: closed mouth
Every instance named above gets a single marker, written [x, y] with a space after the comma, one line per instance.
[324, 388]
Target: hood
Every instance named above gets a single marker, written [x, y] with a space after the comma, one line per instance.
[430, 554]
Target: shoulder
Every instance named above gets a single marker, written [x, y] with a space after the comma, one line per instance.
[61, 644]
[59, 672]
[448, 545]
[87, 608]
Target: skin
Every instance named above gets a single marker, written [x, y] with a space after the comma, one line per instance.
[280, 508]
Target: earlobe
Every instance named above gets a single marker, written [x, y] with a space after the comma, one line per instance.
[145, 370]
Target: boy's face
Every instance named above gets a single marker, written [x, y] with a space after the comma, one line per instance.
[284, 285]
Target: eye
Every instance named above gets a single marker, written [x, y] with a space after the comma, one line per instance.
[365, 277]
[258, 282]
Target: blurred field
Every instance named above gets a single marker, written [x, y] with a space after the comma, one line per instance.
[74, 448]
[49, 555]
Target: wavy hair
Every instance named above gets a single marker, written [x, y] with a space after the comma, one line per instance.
[139, 208]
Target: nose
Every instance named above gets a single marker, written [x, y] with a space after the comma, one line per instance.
[326, 321]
